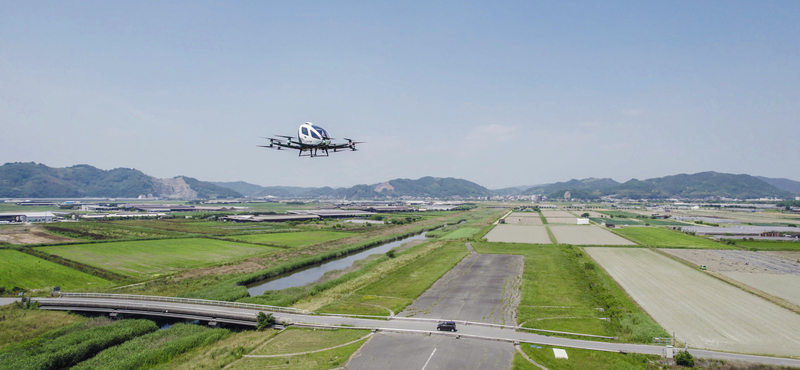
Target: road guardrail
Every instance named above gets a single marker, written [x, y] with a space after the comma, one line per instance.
[206, 302]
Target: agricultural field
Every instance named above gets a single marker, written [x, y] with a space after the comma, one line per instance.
[503, 233]
[295, 239]
[615, 221]
[155, 257]
[562, 291]
[521, 218]
[464, 232]
[28, 234]
[99, 230]
[767, 245]
[28, 272]
[659, 237]
[703, 311]
[557, 214]
[586, 235]
[769, 272]
[202, 227]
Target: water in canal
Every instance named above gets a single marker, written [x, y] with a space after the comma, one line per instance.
[311, 274]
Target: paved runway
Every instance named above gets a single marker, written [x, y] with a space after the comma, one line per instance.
[408, 351]
[482, 288]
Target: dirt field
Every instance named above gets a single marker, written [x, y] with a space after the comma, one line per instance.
[780, 285]
[524, 219]
[723, 260]
[703, 311]
[557, 214]
[524, 214]
[587, 235]
[29, 234]
[564, 221]
[518, 234]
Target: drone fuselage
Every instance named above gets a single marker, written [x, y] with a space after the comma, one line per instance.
[313, 135]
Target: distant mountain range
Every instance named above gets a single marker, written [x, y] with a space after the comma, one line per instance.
[31, 180]
[694, 186]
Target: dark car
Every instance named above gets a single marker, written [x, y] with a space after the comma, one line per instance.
[446, 325]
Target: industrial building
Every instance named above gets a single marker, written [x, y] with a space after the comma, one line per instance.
[13, 217]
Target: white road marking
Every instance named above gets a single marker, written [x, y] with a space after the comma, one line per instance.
[429, 359]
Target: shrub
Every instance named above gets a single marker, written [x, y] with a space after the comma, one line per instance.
[684, 358]
[265, 321]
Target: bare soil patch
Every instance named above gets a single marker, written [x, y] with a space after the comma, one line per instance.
[703, 311]
[557, 214]
[29, 234]
[527, 220]
[720, 260]
[587, 235]
[518, 234]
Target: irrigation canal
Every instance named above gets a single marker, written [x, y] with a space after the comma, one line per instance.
[311, 274]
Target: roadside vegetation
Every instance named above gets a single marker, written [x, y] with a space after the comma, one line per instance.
[580, 359]
[19, 325]
[155, 348]
[68, 346]
[305, 349]
[659, 237]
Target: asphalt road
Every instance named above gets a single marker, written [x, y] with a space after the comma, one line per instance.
[404, 351]
[421, 326]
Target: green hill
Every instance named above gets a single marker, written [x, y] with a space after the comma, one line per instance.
[32, 180]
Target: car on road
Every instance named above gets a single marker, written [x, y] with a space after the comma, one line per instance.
[446, 325]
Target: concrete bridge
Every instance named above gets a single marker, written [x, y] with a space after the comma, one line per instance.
[245, 314]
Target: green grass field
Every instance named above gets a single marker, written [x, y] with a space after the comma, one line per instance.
[616, 221]
[154, 257]
[28, 272]
[296, 239]
[580, 359]
[301, 340]
[97, 230]
[399, 288]
[658, 237]
[464, 232]
[768, 245]
[562, 289]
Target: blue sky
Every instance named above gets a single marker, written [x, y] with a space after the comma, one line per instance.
[502, 94]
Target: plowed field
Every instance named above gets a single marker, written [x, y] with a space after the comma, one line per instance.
[518, 234]
[703, 311]
[587, 235]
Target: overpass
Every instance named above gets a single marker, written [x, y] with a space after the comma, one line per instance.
[245, 314]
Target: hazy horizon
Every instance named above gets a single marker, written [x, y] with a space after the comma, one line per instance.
[502, 95]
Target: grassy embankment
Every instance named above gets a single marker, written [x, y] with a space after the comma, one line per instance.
[70, 345]
[392, 285]
[147, 258]
[27, 272]
[293, 342]
[562, 290]
[155, 348]
[296, 239]
[580, 359]
[658, 237]
[767, 245]
[19, 325]
[221, 353]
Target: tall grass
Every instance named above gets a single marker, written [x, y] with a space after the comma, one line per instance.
[155, 348]
[77, 344]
